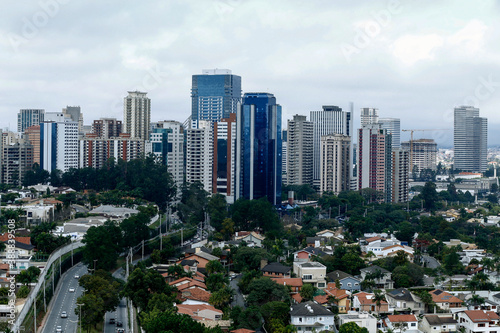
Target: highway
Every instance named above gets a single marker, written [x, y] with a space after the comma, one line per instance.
[64, 300]
[120, 315]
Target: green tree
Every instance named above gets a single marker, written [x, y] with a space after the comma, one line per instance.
[217, 208]
[430, 196]
[307, 291]
[221, 298]
[216, 281]
[352, 327]
[263, 290]
[102, 244]
[214, 266]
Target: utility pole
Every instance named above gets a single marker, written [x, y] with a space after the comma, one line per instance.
[143, 249]
[182, 238]
[34, 314]
[80, 321]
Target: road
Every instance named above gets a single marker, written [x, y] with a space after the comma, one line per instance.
[238, 296]
[120, 315]
[64, 300]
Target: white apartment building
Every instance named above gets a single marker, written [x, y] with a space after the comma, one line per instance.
[199, 154]
[137, 114]
[59, 145]
[335, 163]
[299, 165]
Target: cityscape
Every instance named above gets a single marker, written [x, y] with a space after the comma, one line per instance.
[247, 166]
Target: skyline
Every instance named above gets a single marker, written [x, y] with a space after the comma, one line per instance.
[306, 54]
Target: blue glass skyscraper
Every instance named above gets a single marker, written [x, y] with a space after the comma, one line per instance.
[258, 148]
[215, 94]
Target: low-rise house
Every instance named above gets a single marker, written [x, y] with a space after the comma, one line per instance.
[346, 281]
[393, 250]
[326, 233]
[342, 297]
[311, 272]
[309, 316]
[295, 284]
[114, 212]
[437, 323]
[276, 269]
[363, 301]
[252, 238]
[383, 276]
[363, 319]
[446, 301]
[19, 256]
[402, 300]
[318, 241]
[307, 253]
[478, 321]
[200, 312]
[402, 323]
[201, 257]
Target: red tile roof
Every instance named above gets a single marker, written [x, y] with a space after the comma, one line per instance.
[481, 316]
[24, 240]
[401, 318]
[195, 293]
[193, 309]
[293, 282]
[242, 330]
[440, 296]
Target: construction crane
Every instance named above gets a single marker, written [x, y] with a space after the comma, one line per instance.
[411, 140]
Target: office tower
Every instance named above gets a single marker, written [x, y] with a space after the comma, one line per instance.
[374, 156]
[335, 163]
[258, 148]
[17, 159]
[29, 117]
[331, 120]
[136, 115]
[199, 154]
[300, 151]
[393, 127]
[369, 116]
[423, 154]
[166, 142]
[1, 154]
[224, 160]
[284, 147]
[354, 167]
[470, 140]
[400, 171]
[107, 128]
[59, 145]
[32, 134]
[214, 94]
[96, 151]
[75, 113]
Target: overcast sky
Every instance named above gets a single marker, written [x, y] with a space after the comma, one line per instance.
[415, 60]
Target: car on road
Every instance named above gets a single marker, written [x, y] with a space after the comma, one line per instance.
[77, 276]
[120, 330]
[64, 314]
[119, 324]
[59, 329]
[111, 320]
[71, 290]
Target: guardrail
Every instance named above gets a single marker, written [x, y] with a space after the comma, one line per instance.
[34, 293]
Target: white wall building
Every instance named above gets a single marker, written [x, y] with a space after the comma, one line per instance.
[59, 145]
[199, 154]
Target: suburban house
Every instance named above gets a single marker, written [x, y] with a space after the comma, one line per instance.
[326, 233]
[114, 212]
[402, 299]
[392, 250]
[363, 301]
[311, 272]
[446, 301]
[275, 269]
[200, 312]
[21, 253]
[201, 257]
[191, 291]
[307, 253]
[363, 319]
[438, 323]
[343, 302]
[347, 281]
[383, 276]
[295, 284]
[318, 241]
[252, 238]
[478, 321]
[309, 316]
[402, 323]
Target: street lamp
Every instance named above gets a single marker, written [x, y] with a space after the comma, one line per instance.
[80, 306]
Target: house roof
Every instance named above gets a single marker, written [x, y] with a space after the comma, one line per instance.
[401, 294]
[367, 298]
[401, 318]
[242, 330]
[185, 282]
[310, 240]
[187, 262]
[312, 250]
[4, 267]
[440, 296]
[276, 267]
[481, 316]
[194, 309]
[373, 269]
[196, 294]
[320, 233]
[25, 240]
[338, 275]
[292, 282]
[309, 309]
[438, 320]
[373, 239]
[253, 234]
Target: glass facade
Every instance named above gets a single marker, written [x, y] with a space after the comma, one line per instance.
[260, 148]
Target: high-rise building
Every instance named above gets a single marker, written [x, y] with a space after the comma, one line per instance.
[423, 154]
[214, 94]
[166, 141]
[17, 159]
[96, 151]
[258, 148]
[300, 151]
[331, 120]
[199, 154]
[29, 117]
[137, 115]
[284, 148]
[470, 140]
[224, 157]
[59, 145]
[107, 128]
[56, 117]
[32, 134]
[75, 113]
[393, 127]
[374, 156]
[400, 170]
[369, 116]
[335, 163]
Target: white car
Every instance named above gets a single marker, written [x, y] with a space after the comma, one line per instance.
[77, 276]
[71, 290]
[58, 329]
[64, 314]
